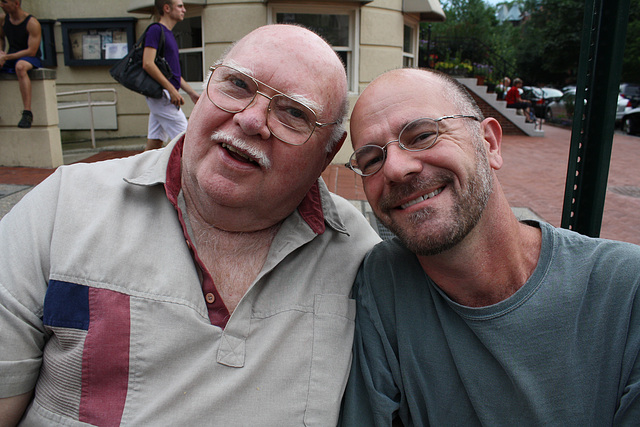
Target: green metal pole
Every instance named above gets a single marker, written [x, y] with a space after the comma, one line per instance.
[601, 51]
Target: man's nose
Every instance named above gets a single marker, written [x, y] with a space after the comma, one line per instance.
[400, 164]
[253, 119]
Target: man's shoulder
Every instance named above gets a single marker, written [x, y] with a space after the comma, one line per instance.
[390, 258]
[153, 34]
[605, 260]
[580, 245]
[32, 23]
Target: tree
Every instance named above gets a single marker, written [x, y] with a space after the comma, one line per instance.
[631, 60]
[549, 51]
[471, 32]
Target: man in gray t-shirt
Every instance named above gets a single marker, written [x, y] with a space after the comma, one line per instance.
[468, 316]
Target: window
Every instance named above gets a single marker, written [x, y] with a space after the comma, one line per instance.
[409, 45]
[337, 26]
[188, 34]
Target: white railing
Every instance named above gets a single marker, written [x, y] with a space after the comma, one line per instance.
[90, 103]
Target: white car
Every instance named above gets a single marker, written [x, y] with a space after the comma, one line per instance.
[624, 105]
[631, 121]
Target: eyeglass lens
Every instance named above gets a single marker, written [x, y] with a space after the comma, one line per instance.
[416, 136]
[233, 91]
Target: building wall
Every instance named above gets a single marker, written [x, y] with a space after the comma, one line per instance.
[379, 28]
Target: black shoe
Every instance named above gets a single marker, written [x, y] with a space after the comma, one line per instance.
[27, 118]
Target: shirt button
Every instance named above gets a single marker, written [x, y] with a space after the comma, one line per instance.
[210, 298]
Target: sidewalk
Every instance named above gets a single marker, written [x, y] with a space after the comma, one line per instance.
[533, 178]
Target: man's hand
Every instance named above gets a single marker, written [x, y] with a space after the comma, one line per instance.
[176, 98]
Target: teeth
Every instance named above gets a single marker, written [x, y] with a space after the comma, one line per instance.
[233, 149]
[422, 198]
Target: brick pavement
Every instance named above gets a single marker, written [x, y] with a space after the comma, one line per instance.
[533, 176]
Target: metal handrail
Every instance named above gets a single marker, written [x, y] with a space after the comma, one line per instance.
[90, 103]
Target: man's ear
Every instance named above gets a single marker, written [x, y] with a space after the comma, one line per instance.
[493, 141]
[334, 151]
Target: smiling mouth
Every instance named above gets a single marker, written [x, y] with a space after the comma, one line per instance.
[239, 155]
[422, 198]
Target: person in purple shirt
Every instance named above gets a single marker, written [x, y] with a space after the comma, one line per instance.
[166, 119]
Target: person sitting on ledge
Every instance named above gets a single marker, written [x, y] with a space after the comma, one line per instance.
[24, 33]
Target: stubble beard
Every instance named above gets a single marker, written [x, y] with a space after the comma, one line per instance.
[468, 207]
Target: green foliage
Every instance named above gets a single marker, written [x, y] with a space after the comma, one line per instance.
[631, 60]
[472, 33]
[457, 68]
[544, 49]
[549, 50]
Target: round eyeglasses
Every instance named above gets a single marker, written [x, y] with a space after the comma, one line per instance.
[289, 120]
[417, 135]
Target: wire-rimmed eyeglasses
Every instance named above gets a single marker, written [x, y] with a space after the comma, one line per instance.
[289, 120]
[417, 135]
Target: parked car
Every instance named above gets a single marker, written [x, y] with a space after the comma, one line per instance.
[631, 91]
[623, 106]
[562, 109]
[631, 121]
[540, 98]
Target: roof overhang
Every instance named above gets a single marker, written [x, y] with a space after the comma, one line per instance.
[147, 6]
[430, 10]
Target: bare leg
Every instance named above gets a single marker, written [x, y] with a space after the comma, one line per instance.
[153, 144]
[22, 67]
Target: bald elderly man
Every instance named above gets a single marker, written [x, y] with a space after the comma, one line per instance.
[205, 283]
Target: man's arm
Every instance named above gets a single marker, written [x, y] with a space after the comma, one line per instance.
[2, 33]
[2, 52]
[35, 36]
[187, 88]
[12, 408]
[149, 65]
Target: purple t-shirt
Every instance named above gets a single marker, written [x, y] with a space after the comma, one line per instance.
[170, 50]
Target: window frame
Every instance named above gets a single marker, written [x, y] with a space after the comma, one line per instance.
[412, 56]
[196, 12]
[352, 50]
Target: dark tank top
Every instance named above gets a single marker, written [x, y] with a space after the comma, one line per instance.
[17, 35]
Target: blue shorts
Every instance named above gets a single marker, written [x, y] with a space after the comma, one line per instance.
[10, 66]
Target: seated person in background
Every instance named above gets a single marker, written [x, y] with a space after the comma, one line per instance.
[204, 283]
[515, 101]
[24, 33]
[470, 317]
[503, 87]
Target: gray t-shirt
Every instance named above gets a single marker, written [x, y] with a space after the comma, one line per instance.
[563, 350]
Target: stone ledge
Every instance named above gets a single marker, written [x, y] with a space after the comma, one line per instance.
[37, 74]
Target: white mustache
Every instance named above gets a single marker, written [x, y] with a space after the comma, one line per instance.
[254, 152]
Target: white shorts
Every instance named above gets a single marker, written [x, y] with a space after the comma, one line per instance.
[166, 121]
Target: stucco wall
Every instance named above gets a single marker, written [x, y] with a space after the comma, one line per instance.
[380, 33]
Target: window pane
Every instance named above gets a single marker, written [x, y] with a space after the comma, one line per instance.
[334, 28]
[191, 66]
[407, 45]
[189, 33]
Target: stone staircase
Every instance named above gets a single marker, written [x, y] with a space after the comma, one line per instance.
[511, 122]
